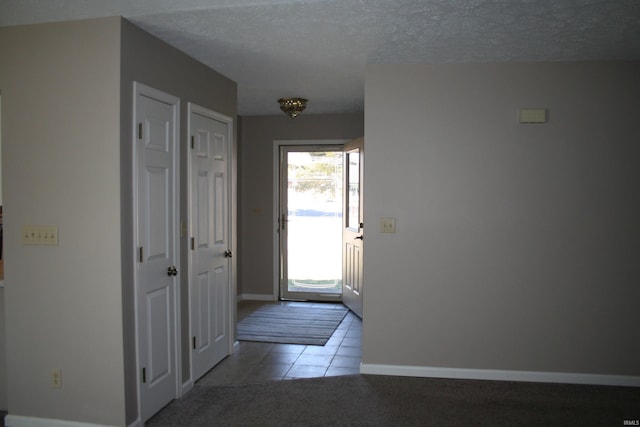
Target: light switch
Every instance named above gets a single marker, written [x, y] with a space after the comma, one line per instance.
[529, 115]
[387, 225]
[46, 235]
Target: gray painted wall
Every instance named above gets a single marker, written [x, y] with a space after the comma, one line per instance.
[60, 140]
[516, 245]
[67, 91]
[152, 62]
[3, 354]
[257, 134]
[3, 347]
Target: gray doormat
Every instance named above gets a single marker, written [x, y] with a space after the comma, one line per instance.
[291, 324]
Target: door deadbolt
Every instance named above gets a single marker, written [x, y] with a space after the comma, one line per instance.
[172, 271]
[228, 254]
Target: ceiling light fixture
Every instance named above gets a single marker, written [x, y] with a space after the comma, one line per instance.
[292, 106]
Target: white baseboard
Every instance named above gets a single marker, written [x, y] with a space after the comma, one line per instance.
[256, 297]
[20, 421]
[499, 375]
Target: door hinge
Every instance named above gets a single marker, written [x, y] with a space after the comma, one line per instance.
[193, 142]
[193, 243]
[139, 130]
[141, 254]
[194, 342]
[144, 375]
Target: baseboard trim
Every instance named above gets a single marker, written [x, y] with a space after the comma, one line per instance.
[256, 297]
[20, 421]
[499, 375]
[186, 387]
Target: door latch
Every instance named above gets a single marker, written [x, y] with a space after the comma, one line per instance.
[284, 221]
[172, 271]
[228, 253]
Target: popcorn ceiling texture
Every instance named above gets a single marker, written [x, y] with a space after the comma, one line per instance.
[318, 49]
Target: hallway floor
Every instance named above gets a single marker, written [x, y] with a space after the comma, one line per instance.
[254, 362]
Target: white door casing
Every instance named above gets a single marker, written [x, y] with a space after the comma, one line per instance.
[155, 202]
[353, 224]
[210, 238]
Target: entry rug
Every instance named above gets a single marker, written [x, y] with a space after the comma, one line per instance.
[291, 324]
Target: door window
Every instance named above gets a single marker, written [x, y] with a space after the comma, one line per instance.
[353, 197]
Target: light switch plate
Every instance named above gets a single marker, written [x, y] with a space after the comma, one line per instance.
[46, 235]
[533, 115]
[387, 225]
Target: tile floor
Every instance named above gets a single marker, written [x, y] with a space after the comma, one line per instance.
[254, 362]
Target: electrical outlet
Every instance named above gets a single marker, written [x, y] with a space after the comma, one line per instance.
[56, 378]
[40, 235]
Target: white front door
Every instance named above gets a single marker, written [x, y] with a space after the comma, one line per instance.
[155, 205]
[353, 224]
[210, 254]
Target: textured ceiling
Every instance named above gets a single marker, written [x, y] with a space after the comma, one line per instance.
[318, 49]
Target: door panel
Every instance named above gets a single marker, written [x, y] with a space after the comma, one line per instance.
[353, 226]
[209, 205]
[158, 303]
[156, 116]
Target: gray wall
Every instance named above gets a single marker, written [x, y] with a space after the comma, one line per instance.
[516, 245]
[60, 141]
[3, 346]
[67, 91]
[3, 354]
[257, 134]
[152, 62]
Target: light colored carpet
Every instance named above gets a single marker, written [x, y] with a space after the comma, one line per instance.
[291, 324]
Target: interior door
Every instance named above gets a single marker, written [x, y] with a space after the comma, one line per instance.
[155, 205]
[210, 256]
[353, 226]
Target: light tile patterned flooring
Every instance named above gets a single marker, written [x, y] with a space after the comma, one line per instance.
[254, 362]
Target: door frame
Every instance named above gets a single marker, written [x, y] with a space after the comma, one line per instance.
[141, 89]
[231, 302]
[277, 200]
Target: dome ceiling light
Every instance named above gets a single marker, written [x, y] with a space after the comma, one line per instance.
[292, 106]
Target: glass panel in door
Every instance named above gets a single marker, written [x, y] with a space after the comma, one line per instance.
[353, 197]
[311, 223]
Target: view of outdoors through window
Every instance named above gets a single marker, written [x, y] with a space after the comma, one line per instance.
[315, 221]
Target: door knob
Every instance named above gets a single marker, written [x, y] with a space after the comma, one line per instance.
[172, 271]
[228, 254]
[360, 237]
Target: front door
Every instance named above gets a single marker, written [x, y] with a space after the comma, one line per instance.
[210, 251]
[310, 222]
[155, 212]
[353, 224]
